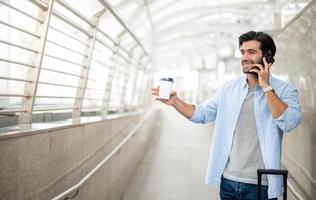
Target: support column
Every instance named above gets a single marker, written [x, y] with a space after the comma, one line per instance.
[127, 76]
[108, 88]
[84, 74]
[34, 73]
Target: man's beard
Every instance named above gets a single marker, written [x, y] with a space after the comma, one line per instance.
[247, 70]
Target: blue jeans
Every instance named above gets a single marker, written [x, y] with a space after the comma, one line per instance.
[233, 190]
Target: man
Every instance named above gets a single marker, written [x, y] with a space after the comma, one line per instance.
[251, 113]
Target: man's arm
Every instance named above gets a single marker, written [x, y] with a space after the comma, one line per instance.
[183, 108]
[276, 106]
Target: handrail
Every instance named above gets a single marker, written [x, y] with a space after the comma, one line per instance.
[10, 112]
[53, 108]
[117, 149]
[293, 190]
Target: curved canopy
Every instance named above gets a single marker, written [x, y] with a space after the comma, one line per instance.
[173, 29]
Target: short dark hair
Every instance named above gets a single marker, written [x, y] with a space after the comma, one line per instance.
[266, 41]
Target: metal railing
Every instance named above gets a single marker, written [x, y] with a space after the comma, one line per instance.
[21, 11]
[73, 191]
[68, 35]
[18, 46]
[125, 56]
[17, 62]
[109, 8]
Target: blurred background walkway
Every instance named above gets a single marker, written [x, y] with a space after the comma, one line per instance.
[174, 167]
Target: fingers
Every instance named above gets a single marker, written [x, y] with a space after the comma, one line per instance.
[173, 93]
[259, 66]
[267, 65]
[155, 91]
[255, 70]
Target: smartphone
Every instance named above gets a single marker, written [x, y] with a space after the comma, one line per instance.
[269, 58]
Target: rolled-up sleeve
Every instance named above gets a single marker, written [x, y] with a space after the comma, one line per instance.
[206, 111]
[292, 116]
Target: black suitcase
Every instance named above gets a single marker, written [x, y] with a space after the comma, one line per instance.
[284, 173]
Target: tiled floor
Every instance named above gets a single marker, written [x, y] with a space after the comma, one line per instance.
[174, 166]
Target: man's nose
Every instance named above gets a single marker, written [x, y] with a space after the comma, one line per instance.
[245, 56]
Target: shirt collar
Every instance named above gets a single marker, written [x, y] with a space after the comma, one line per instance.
[244, 83]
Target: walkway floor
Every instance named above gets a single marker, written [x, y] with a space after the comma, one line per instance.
[175, 165]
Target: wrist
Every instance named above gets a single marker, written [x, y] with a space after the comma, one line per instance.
[176, 101]
[267, 88]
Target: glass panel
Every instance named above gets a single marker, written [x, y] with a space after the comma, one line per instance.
[98, 73]
[55, 90]
[18, 19]
[139, 83]
[64, 55]
[117, 90]
[9, 39]
[69, 15]
[108, 22]
[53, 102]
[86, 8]
[7, 103]
[130, 88]
[67, 29]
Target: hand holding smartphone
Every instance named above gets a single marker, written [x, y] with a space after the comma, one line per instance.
[269, 58]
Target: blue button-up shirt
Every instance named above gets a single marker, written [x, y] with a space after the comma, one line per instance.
[224, 108]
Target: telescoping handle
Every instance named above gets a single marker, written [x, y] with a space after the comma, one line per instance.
[284, 173]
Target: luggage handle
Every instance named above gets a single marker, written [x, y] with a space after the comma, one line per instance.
[284, 173]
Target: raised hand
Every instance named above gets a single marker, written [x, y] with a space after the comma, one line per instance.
[263, 72]
[170, 102]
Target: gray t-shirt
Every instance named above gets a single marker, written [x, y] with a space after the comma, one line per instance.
[245, 156]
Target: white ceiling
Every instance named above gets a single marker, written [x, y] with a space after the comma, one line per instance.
[174, 31]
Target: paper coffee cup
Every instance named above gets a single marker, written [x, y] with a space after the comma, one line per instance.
[165, 87]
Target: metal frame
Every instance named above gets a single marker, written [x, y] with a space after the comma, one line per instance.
[119, 19]
[33, 73]
[18, 46]
[85, 66]
[108, 88]
[35, 68]
[17, 62]
[21, 11]
[66, 34]
[40, 4]
[71, 23]
[20, 29]
[74, 11]
[67, 48]
[126, 79]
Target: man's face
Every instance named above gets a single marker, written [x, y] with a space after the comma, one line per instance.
[251, 54]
